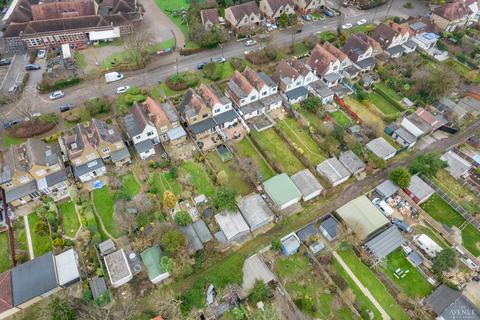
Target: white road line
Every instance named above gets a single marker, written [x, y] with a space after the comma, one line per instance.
[9, 67]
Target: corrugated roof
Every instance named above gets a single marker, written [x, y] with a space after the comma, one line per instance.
[351, 162]
[255, 211]
[385, 243]
[387, 188]
[380, 147]
[281, 189]
[306, 182]
[232, 224]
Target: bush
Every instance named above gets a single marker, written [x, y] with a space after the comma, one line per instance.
[97, 106]
[213, 71]
[60, 84]
[172, 241]
[182, 81]
[238, 64]
[261, 56]
[260, 292]
[182, 218]
[49, 118]
[408, 5]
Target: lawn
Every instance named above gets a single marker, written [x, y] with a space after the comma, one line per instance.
[341, 118]
[312, 118]
[308, 290]
[20, 235]
[9, 140]
[457, 192]
[419, 229]
[370, 281]
[162, 182]
[277, 151]
[41, 243]
[397, 260]
[80, 60]
[363, 303]
[103, 202]
[167, 7]
[301, 138]
[122, 56]
[245, 149]
[382, 104]
[5, 263]
[363, 112]
[471, 240]
[235, 179]
[70, 218]
[130, 184]
[199, 177]
[392, 93]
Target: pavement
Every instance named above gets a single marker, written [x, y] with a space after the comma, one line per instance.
[167, 66]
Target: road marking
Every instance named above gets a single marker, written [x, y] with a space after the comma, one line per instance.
[8, 71]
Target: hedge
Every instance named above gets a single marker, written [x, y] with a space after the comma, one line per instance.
[60, 84]
[394, 102]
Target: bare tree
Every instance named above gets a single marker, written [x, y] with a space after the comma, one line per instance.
[126, 308]
[127, 222]
[137, 46]
[168, 306]
[142, 203]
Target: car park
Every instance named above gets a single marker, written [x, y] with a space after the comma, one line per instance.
[5, 62]
[347, 26]
[32, 66]
[250, 42]
[56, 95]
[202, 65]
[42, 53]
[65, 107]
[122, 89]
[361, 22]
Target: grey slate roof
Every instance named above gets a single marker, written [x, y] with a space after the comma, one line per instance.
[333, 170]
[21, 191]
[203, 126]
[176, 133]
[189, 232]
[296, 93]
[120, 155]
[441, 298]
[56, 177]
[387, 188]
[202, 231]
[169, 111]
[307, 232]
[41, 153]
[462, 306]
[321, 89]
[350, 160]
[330, 225]
[366, 63]
[332, 76]
[83, 168]
[385, 243]
[306, 182]
[268, 81]
[405, 135]
[395, 50]
[380, 147]
[33, 278]
[97, 287]
[255, 211]
[144, 146]
[252, 107]
[415, 258]
[136, 120]
[227, 116]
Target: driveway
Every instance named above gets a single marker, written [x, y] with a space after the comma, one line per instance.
[13, 73]
[156, 22]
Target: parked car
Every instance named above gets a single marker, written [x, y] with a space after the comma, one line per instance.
[42, 53]
[13, 89]
[10, 123]
[56, 95]
[361, 22]
[122, 89]
[347, 26]
[4, 10]
[202, 65]
[329, 13]
[32, 66]
[383, 206]
[65, 107]
[405, 227]
[219, 60]
[307, 17]
[250, 42]
[5, 62]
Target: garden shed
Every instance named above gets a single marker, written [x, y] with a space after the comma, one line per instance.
[255, 211]
[381, 148]
[362, 216]
[385, 243]
[386, 189]
[232, 224]
[254, 269]
[151, 259]
[282, 191]
[290, 244]
[307, 184]
[419, 190]
[352, 162]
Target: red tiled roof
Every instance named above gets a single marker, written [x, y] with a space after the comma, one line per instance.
[320, 59]
[428, 118]
[6, 300]
[57, 10]
[253, 78]
[242, 82]
[158, 116]
[284, 70]
[244, 9]
[208, 95]
[453, 11]
[339, 54]
[210, 15]
[277, 4]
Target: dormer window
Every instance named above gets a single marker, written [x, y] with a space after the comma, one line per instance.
[92, 164]
[106, 150]
[8, 184]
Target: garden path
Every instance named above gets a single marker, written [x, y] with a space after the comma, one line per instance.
[29, 238]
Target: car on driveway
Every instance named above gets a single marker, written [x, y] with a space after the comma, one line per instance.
[347, 26]
[361, 22]
[32, 66]
[65, 107]
[42, 53]
[202, 65]
[56, 95]
[219, 60]
[5, 62]
[250, 42]
[122, 89]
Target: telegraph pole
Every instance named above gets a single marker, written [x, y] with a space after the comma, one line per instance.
[11, 238]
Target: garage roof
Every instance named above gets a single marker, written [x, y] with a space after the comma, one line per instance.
[281, 189]
[385, 243]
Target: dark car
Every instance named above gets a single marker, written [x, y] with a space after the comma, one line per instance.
[65, 107]
[202, 65]
[5, 62]
[10, 123]
[32, 66]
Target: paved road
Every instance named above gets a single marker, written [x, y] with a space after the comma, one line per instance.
[153, 74]
[360, 285]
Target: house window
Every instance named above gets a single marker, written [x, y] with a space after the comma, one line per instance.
[217, 110]
[252, 18]
[150, 133]
[264, 93]
[205, 115]
[41, 172]
[253, 98]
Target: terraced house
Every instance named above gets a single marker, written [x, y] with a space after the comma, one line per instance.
[20, 187]
[253, 93]
[33, 25]
[86, 162]
[108, 142]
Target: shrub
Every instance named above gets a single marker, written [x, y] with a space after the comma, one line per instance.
[172, 241]
[213, 71]
[238, 64]
[400, 176]
[49, 118]
[408, 5]
[182, 81]
[260, 292]
[182, 218]
[96, 106]
[44, 86]
[72, 117]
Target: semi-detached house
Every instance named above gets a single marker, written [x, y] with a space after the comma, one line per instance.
[293, 77]
[394, 39]
[346, 66]
[360, 49]
[253, 93]
[309, 6]
[107, 140]
[141, 131]
[85, 161]
[245, 15]
[273, 9]
[457, 14]
[325, 65]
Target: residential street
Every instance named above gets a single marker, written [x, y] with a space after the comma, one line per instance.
[155, 73]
